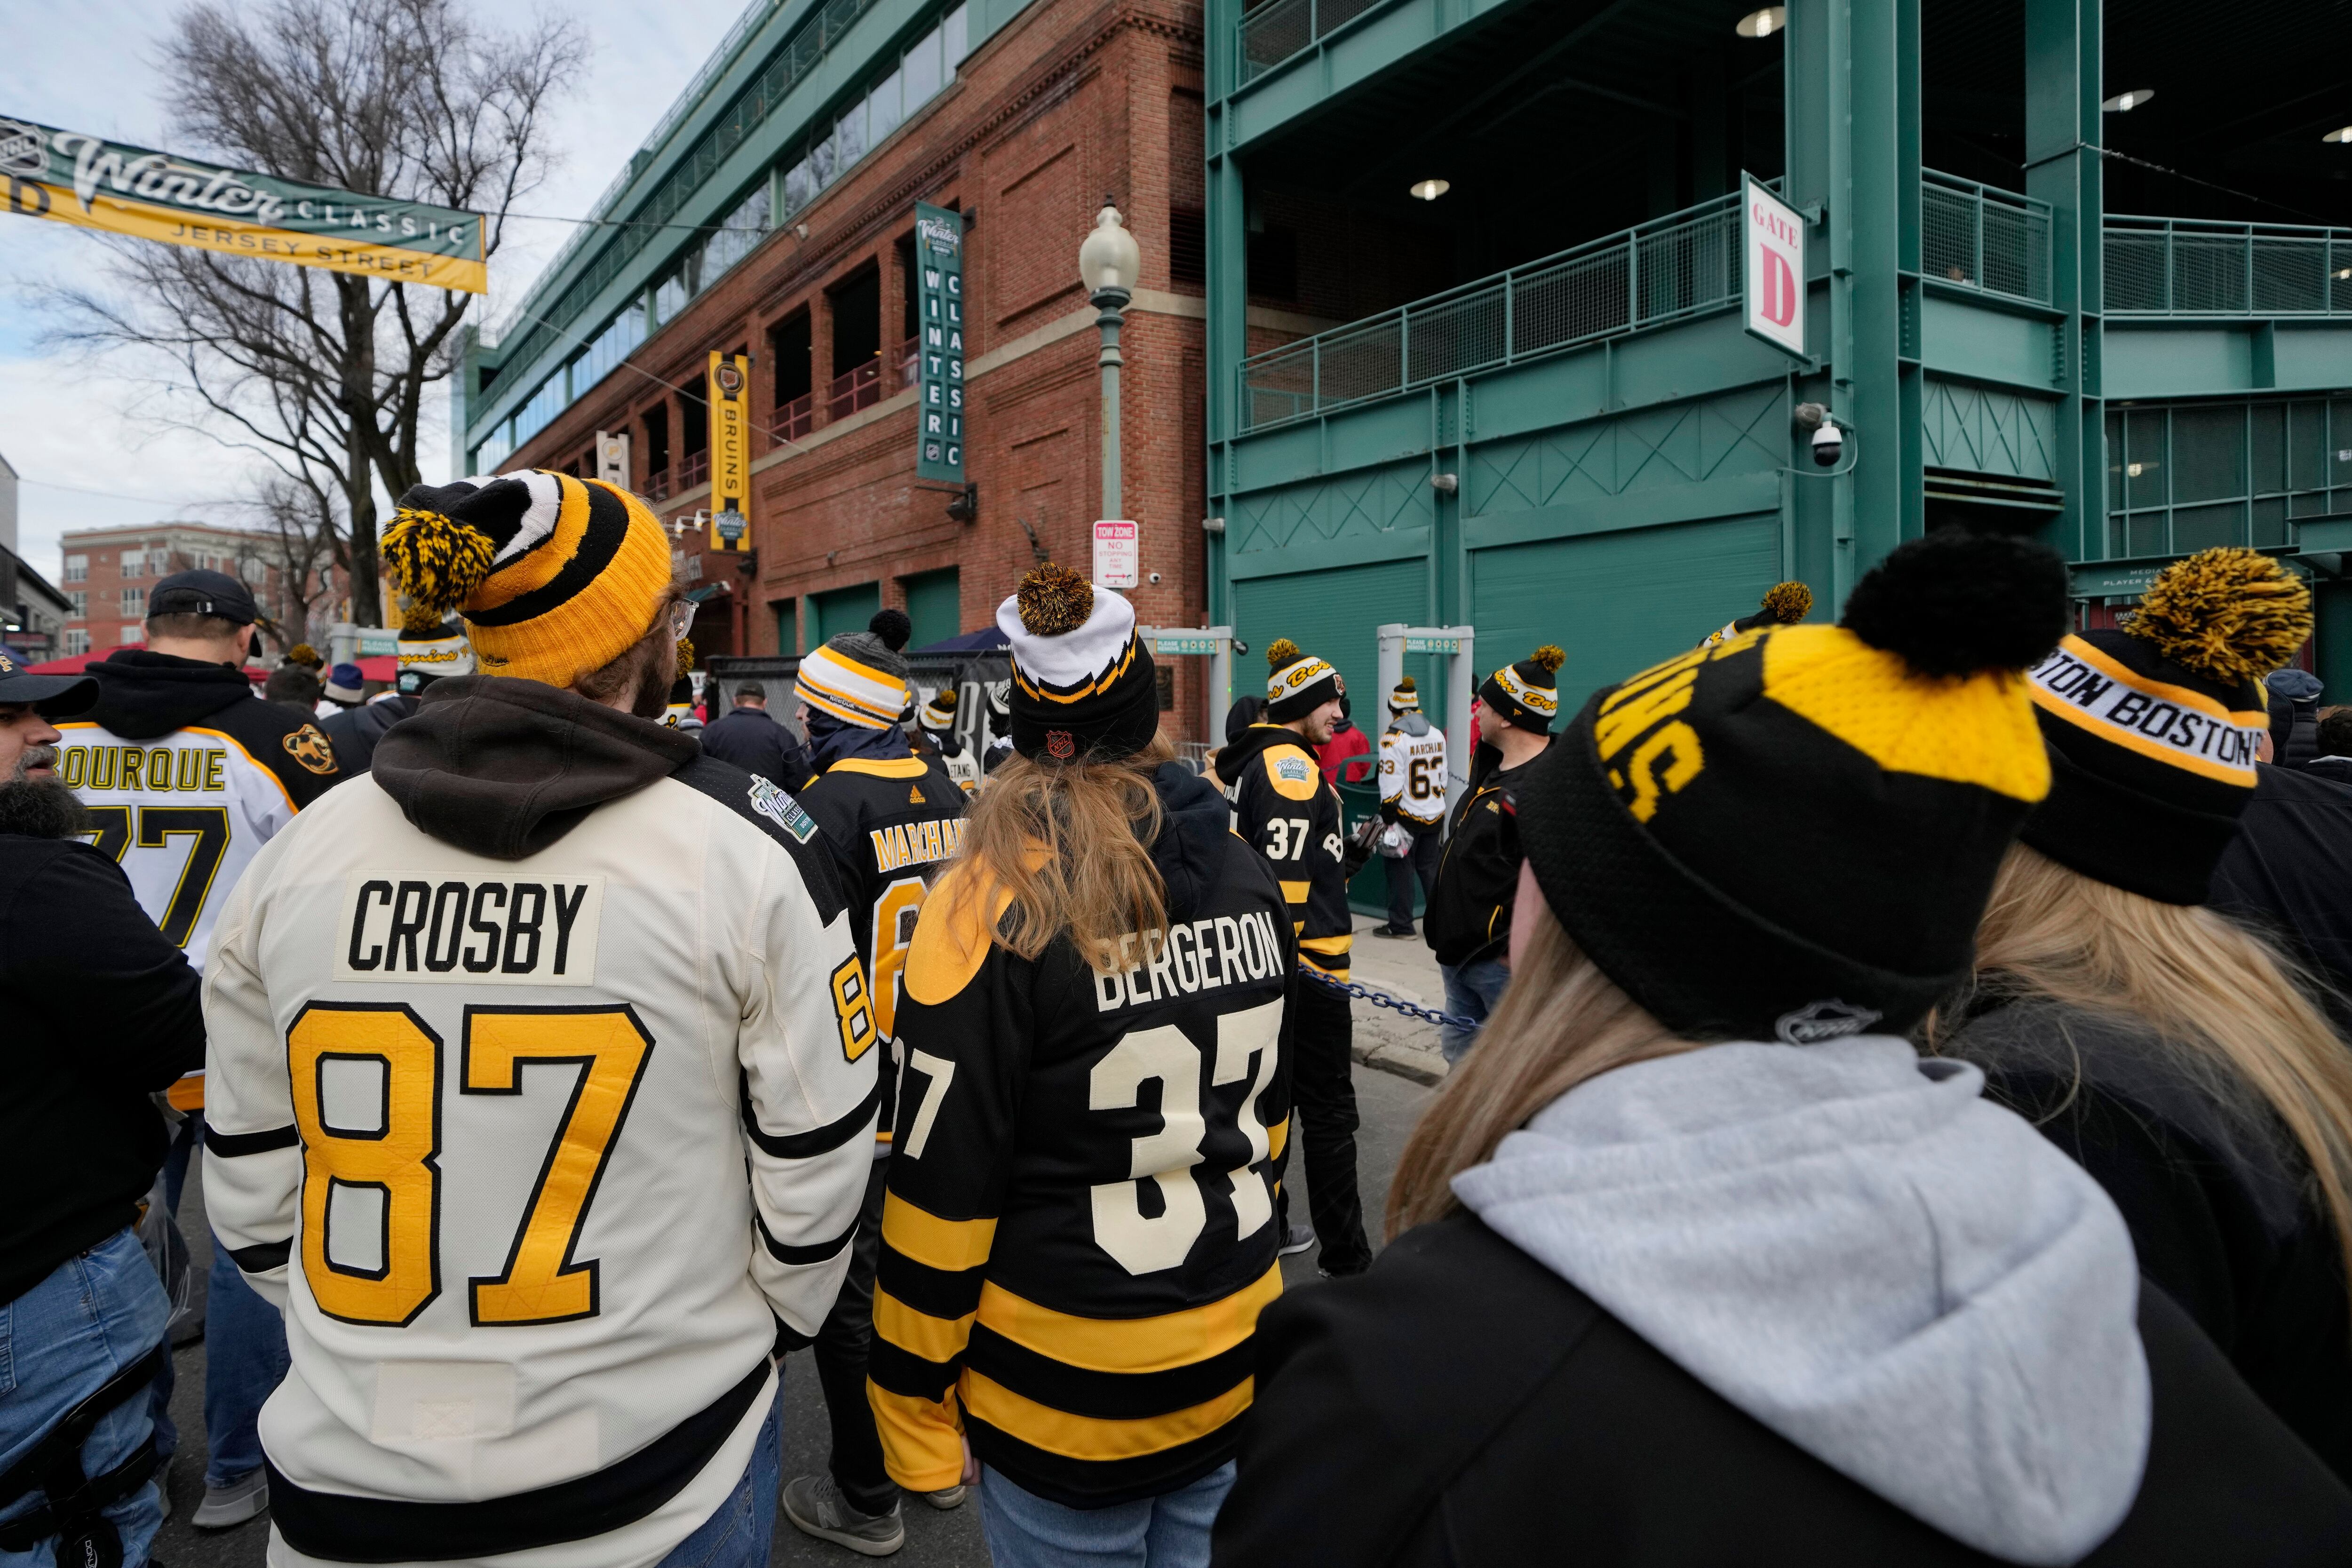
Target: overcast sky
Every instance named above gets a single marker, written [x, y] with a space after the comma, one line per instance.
[71, 426]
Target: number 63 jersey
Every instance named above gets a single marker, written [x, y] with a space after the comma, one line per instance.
[1079, 1231]
[534, 1154]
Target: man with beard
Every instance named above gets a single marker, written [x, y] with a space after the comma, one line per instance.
[102, 1013]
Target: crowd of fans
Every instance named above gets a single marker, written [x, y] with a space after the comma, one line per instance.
[1898, 1111]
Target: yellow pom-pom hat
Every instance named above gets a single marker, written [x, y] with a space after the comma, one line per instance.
[1785, 604]
[554, 576]
[2154, 729]
[1526, 695]
[1298, 683]
[1404, 696]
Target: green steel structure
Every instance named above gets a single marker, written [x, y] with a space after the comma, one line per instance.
[1569, 438]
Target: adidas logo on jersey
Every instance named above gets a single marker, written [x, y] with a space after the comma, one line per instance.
[469, 931]
[915, 795]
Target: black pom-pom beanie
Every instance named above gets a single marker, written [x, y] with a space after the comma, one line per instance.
[1792, 835]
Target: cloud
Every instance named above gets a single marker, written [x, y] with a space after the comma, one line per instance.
[70, 421]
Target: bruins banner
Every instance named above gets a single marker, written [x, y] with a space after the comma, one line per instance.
[71, 177]
[729, 392]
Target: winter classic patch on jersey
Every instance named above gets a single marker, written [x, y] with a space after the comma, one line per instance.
[308, 746]
[781, 809]
[469, 931]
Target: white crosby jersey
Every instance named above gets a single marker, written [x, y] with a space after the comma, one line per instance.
[183, 814]
[528, 1152]
[1413, 775]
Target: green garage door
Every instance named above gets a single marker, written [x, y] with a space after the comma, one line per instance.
[841, 610]
[1617, 603]
[1335, 614]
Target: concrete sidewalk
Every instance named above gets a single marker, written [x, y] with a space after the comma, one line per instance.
[1406, 970]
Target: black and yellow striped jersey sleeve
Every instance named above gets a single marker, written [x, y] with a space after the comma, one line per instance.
[1284, 807]
[1079, 1233]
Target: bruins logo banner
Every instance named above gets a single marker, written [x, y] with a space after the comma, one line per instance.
[73, 177]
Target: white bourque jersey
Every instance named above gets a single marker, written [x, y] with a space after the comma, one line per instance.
[183, 814]
[529, 1152]
[1413, 775]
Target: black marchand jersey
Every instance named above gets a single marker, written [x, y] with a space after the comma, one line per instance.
[1079, 1231]
[892, 827]
[1282, 805]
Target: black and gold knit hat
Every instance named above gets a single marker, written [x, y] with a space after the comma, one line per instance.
[1526, 695]
[1404, 696]
[1785, 604]
[555, 577]
[1792, 835]
[2154, 729]
[431, 647]
[1297, 683]
[860, 678]
[938, 714]
[1082, 681]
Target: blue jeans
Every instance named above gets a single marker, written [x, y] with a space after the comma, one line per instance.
[244, 1360]
[95, 1314]
[740, 1533]
[1472, 991]
[1170, 1531]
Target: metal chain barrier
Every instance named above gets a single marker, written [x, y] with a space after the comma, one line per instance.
[1382, 999]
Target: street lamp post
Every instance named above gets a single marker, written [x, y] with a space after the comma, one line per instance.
[1109, 265]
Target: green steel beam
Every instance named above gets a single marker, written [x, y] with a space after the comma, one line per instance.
[2062, 167]
[1377, 40]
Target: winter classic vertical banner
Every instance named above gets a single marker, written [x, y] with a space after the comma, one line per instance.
[938, 304]
[71, 177]
[729, 393]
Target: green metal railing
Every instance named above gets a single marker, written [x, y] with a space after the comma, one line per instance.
[2187, 267]
[1982, 238]
[1278, 29]
[1641, 277]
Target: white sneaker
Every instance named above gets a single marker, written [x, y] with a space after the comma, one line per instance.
[1299, 1239]
[241, 1500]
[816, 1507]
[946, 1496]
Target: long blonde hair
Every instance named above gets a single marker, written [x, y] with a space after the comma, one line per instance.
[1562, 1022]
[2237, 1013]
[1070, 842]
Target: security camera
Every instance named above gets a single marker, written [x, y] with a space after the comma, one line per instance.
[1153, 578]
[1828, 446]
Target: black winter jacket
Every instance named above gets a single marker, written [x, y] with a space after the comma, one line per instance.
[1469, 915]
[1462, 1406]
[2289, 872]
[752, 740]
[2221, 1210]
[100, 1012]
[355, 731]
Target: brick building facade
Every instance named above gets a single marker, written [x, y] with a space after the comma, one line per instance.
[1067, 101]
[108, 572]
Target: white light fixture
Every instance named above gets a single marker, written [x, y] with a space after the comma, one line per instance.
[2342, 272]
[1763, 24]
[1109, 259]
[1430, 190]
[2124, 103]
[2342, 133]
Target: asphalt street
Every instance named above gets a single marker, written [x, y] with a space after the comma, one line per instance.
[1387, 1104]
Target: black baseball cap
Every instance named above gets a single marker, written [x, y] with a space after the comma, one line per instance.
[203, 592]
[52, 696]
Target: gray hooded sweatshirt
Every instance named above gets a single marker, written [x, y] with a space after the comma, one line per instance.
[1846, 1242]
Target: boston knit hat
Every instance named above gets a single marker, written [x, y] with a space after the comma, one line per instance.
[1785, 604]
[1792, 835]
[1297, 683]
[1404, 696]
[939, 712]
[1082, 681]
[556, 577]
[860, 678]
[431, 645]
[1526, 695]
[2154, 729]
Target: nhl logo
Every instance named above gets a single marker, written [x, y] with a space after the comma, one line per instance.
[1059, 744]
[21, 151]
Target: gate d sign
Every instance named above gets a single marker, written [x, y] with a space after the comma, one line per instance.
[1773, 259]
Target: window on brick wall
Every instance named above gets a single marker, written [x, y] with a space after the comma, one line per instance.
[788, 350]
[135, 600]
[80, 598]
[77, 568]
[1188, 246]
[656, 424]
[693, 425]
[132, 632]
[856, 320]
[77, 640]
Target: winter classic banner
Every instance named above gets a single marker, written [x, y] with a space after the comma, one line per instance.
[71, 177]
